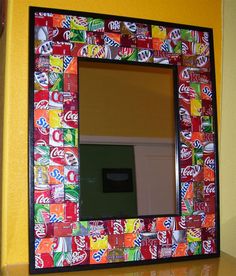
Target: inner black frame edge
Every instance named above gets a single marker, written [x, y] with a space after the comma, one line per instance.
[174, 70]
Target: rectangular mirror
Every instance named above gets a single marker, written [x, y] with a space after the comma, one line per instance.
[140, 184]
[127, 122]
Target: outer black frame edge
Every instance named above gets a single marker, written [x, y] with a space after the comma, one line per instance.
[32, 269]
[121, 18]
[31, 142]
[216, 149]
[122, 264]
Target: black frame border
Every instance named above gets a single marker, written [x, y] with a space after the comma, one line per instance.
[32, 269]
[174, 70]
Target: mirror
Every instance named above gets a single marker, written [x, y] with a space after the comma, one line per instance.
[127, 140]
[145, 88]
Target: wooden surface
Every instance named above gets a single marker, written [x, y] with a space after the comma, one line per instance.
[223, 266]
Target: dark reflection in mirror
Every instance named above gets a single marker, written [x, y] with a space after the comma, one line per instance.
[127, 122]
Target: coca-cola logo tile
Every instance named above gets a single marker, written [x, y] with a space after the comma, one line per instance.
[63, 242]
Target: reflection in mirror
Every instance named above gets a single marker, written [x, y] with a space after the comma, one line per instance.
[127, 140]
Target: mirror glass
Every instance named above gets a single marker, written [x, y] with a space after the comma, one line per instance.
[127, 140]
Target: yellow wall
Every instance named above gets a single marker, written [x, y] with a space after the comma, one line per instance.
[2, 75]
[228, 134]
[15, 179]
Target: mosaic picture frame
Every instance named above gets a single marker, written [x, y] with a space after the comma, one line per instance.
[59, 241]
